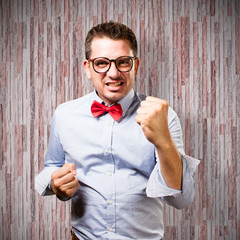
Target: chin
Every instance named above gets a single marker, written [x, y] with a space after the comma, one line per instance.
[114, 99]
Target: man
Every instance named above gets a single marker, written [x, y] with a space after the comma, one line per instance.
[116, 154]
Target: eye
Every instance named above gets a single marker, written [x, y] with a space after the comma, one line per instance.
[124, 62]
[101, 63]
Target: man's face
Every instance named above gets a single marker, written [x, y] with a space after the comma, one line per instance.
[113, 85]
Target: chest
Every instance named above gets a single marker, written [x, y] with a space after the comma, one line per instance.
[102, 142]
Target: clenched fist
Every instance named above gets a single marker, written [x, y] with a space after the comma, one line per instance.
[64, 183]
[153, 118]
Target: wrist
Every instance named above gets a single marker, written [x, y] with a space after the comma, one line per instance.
[165, 143]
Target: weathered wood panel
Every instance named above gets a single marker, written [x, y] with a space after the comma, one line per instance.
[190, 56]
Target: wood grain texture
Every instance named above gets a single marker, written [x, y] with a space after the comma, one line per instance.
[190, 56]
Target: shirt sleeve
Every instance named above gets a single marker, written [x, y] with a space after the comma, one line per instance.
[157, 186]
[54, 159]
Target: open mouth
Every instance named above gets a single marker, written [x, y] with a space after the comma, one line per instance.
[114, 84]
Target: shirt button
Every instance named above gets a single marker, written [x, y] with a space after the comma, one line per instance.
[109, 174]
[110, 202]
[107, 151]
[110, 229]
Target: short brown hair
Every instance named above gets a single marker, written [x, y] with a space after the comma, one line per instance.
[112, 30]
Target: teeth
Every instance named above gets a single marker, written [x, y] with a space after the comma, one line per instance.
[114, 84]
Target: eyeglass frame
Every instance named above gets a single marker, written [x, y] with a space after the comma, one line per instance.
[111, 60]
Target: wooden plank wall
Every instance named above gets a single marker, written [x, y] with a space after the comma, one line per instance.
[190, 56]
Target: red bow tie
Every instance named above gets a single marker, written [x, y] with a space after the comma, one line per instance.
[98, 109]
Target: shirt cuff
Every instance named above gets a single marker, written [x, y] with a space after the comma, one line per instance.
[43, 179]
[157, 186]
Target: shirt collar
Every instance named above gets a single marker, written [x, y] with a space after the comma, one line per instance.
[125, 102]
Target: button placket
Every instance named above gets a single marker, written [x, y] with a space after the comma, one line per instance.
[109, 124]
[110, 206]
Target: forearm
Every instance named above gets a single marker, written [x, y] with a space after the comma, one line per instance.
[170, 164]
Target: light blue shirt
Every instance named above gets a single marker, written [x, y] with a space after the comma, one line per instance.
[121, 186]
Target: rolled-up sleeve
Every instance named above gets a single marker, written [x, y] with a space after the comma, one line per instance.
[179, 199]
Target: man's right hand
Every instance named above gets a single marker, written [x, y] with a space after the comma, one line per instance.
[64, 183]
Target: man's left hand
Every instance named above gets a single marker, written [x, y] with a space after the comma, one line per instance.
[152, 116]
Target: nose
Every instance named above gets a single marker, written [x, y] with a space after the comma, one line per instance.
[113, 71]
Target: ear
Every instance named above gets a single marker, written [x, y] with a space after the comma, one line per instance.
[87, 69]
[137, 62]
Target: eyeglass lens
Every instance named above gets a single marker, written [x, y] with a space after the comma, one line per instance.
[102, 65]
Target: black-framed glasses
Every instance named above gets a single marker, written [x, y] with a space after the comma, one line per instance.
[103, 64]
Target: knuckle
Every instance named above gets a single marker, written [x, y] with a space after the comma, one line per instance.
[142, 103]
[65, 165]
[57, 184]
[71, 165]
[66, 168]
[162, 105]
[138, 110]
[166, 103]
[159, 107]
[148, 98]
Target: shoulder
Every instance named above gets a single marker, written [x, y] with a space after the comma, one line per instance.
[73, 105]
